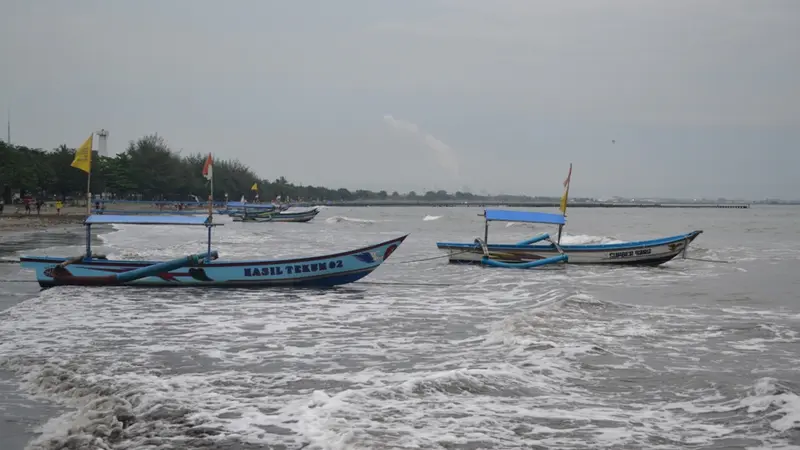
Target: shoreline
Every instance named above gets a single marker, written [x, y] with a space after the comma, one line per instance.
[529, 204]
[15, 219]
[34, 222]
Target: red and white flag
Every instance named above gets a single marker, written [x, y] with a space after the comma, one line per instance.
[207, 168]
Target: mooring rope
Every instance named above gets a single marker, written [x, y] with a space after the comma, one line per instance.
[429, 258]
[708, 260]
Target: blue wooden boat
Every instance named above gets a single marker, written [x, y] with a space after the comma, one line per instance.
[204, 269]
[649, 252]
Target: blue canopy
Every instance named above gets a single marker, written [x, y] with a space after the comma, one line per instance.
[95, 219]
[250, 205]
[524, 216]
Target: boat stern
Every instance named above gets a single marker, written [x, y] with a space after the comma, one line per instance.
[42, 266]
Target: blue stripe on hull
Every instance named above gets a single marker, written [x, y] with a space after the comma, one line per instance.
[648, 262]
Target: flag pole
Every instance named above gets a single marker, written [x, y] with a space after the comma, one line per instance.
[89, 191]
[211, 193]
[210, 207]
[89, 182]
[564, 202]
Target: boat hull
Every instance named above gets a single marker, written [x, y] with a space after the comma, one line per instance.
[319, 271]
[648, 253]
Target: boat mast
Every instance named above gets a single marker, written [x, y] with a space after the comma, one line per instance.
[210, 210]
[88, 241]
[485, 228]
[564, 198]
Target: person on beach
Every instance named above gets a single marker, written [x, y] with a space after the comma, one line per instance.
[27, 206]
[39, 204]
[59, 205]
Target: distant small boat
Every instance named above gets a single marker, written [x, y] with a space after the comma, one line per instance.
[204, 270]
[275, 216]
[649, 252]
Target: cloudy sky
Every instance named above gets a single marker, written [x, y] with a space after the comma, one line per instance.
[700, 96]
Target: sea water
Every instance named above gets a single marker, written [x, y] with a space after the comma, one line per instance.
[697, 353]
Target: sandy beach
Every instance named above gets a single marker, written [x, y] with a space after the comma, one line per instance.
[14, 221]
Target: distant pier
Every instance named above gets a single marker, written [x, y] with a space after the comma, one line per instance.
[483, 204]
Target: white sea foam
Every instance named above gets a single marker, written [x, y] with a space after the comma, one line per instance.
[583, 239]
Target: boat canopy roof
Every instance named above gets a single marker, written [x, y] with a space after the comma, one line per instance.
[502, 215]
[250, 205]
[95, 219]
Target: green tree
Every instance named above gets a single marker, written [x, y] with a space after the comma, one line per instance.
[149, 170]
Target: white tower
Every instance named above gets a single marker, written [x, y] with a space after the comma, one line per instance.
[102, 144]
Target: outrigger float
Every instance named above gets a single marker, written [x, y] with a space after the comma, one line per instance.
[203, 269]
[525, 254]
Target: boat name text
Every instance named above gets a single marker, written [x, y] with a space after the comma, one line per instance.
[628, 253]
[290, 269]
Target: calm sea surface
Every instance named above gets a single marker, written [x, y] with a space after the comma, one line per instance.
[693, 354]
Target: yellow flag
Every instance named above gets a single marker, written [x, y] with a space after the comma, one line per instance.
[83, 156]
[254, 187]
[563, 207]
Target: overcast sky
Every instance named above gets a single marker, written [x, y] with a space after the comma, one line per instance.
[701, 96]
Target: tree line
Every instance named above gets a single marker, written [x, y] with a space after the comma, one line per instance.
[149, 170]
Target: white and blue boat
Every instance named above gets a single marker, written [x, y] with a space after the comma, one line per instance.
[204, 269]
[275, 216]
[531, 251]
[260, 212]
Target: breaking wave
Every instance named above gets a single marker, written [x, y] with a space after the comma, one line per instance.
[338, 219]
